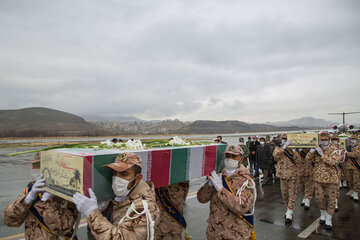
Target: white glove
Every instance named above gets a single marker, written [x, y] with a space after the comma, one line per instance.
[46, 196]
[319, 150]
[210, 183]
[103, 205]
[84, 204]
[36, 188]
[312, 150]
[216, 180]
[287, 143]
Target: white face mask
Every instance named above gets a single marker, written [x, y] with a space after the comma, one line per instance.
[231, 164]
[324, 143]
[335, 142]
[120, 185]
[262, 143]
[283, 141]
[35, 173]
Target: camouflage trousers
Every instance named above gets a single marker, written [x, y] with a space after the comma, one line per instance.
[354, 175]
[306, 186]
[289, 190]
[325, 194]
[348, 177]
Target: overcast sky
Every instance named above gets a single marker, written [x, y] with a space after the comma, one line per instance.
[253, 61]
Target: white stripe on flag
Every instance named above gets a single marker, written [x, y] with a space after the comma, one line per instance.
[144, 157]
[196, 162]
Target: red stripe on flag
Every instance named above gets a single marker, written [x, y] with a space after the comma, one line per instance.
[210, 159]
[160, 167]
[88, 174]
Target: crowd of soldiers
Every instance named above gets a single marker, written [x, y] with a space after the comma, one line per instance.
[322, 171]
[140, 211]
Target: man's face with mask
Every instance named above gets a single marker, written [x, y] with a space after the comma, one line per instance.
[232, 161]
[129, 175]
[335, 141]
[324, 141]
[283, 140]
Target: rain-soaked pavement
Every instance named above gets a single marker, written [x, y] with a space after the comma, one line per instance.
[269, 213]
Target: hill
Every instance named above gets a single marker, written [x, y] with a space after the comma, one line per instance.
[211, 127]
[37, 121]
[309, 122]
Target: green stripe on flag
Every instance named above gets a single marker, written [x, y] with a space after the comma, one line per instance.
[220, 157]
[179, 165]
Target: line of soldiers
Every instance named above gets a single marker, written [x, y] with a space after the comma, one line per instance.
[138, 210]
[319, 169]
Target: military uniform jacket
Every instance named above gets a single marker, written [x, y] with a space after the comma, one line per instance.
[246, 150]
[285, 168]
[326, 169]
[353, 155]
[225, 208]
[103, 229]
[306, 166]
[59, 216]
[177, 193]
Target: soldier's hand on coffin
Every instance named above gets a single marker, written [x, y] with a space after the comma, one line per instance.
[287, 143]
[84, 204]
[37, 187]
[46, 196]
[312, 150]
[319, 150]
[216, 180]
[210, 183]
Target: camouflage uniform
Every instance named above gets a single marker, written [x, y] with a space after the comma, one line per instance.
[101, 228]
[246, 155]
[288, 174]
[306, 176]
[326, 177]
[340, 172]
[354, 174]
[167, 228]
[59, 216]
[272, 162]
[224, 221]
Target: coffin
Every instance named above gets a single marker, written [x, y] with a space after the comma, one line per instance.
[70, 170]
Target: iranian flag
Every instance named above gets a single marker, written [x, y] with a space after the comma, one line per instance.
[168, 166]
[70, 170]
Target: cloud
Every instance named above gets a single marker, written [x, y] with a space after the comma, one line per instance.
[263, 61]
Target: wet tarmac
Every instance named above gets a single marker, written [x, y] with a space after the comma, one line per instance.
[269, 213]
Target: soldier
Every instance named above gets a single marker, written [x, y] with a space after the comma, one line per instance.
[306, 177]
[272, 145]
[45, 216]
[246, 151]
[286, 170]
[132, 213]
[171, 221]
[326, 158]
[353, 164]
[335, 141]
[232, 196]
[248, 142]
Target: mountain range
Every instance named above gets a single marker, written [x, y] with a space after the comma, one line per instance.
[38, 121]
[307, 122]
